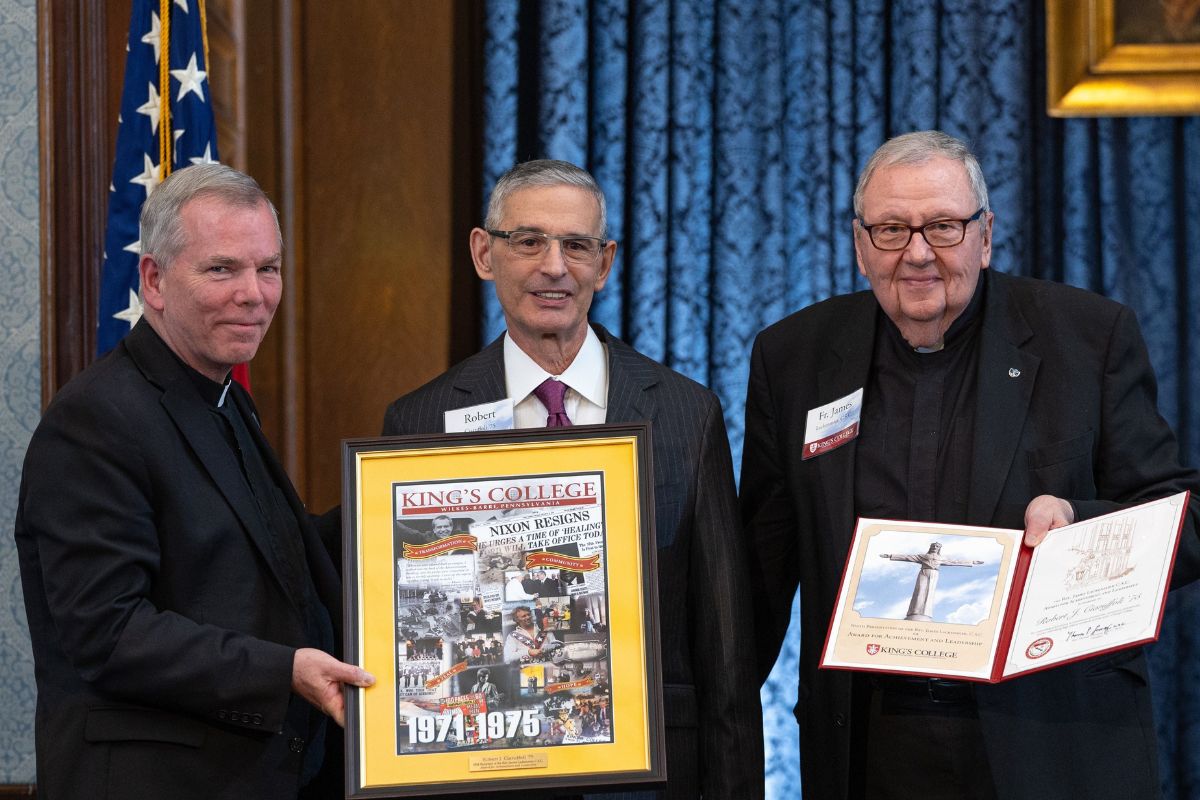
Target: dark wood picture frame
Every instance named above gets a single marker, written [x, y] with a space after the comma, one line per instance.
[376, 472]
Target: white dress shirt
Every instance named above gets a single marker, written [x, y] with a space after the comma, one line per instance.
[586, 400]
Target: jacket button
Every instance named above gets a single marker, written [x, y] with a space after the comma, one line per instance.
[839, 720]
[222, 714]
[256, 719]
[296, 745]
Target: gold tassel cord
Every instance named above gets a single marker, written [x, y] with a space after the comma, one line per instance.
[204, 36]
[164, 90]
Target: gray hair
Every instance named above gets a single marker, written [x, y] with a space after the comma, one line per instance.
[917, 148]
[542, 172]
[161, 223]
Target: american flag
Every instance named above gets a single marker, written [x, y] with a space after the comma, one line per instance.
[166, 123]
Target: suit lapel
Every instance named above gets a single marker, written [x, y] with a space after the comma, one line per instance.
[481, 379]
[1005, 385]
[193, 421]
[629, 376]
[846, 370]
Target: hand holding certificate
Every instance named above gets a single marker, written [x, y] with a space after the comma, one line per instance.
[971, 603]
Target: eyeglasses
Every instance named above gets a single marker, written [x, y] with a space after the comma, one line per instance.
[937, 233]
[531, 244]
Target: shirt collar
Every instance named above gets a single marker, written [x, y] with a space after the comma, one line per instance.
[213, 393]
[587, 374]
[958, 331]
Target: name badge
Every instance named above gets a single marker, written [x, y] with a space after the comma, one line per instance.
[831, 426]
[496, 416]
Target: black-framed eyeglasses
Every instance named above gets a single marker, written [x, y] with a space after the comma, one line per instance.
[937, 233]
[533, 244]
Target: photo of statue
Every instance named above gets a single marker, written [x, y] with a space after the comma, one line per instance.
[927, 577]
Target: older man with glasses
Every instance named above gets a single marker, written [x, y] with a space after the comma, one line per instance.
[964, 396]
[544, 247]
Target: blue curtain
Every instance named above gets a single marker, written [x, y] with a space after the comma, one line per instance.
[727, 135]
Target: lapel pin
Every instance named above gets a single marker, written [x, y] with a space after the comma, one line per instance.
[1013, 372]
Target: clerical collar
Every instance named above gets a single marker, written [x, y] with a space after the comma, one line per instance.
[956, 329]
[211, 392]
[587, 374]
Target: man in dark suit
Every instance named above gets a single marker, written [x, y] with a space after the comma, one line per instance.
[181, 607]
[538, 585]
[544, 247]
[987, 399]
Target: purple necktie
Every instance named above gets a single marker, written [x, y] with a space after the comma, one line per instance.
[551, 392]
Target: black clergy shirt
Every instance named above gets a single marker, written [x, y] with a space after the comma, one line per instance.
[913, 458]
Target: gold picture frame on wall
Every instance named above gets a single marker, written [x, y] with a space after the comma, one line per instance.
[1122, 57]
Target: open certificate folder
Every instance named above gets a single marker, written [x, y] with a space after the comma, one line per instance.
[973, 603]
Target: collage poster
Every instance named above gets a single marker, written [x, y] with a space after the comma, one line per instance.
[501, 634]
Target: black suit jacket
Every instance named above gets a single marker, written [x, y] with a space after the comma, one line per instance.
[162, 634]
[713, 715]
[1066, 407]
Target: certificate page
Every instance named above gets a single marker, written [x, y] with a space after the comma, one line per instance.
[921, 598]
[1096, 585]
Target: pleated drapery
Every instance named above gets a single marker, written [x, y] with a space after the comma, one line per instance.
[727, 136]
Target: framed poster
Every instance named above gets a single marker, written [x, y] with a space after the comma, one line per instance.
[1122, 57]
[501, 588]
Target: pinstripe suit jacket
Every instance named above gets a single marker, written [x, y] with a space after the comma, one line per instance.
[713, 715]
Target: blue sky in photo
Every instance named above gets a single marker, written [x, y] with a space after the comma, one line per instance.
[963, 594]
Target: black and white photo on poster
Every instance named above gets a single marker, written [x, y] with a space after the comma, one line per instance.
[501, 613]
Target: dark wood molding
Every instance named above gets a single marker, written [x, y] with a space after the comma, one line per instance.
[76, 131]
[466, 316]
[291, 394]
[25, 790]
[227, 44]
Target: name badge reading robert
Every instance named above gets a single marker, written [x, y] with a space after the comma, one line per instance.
[496, 416]
[831, 426]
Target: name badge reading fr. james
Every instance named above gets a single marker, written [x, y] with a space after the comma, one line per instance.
[832, 425]
[496, 416]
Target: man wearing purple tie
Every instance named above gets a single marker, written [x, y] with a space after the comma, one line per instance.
[543, 246]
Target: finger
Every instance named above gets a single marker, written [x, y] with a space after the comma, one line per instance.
[336, 709]
[350, 674]
[361, 678]
[1034, 536]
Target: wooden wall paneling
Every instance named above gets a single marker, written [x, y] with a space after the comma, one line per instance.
[227, 48]
[377, 229]
[81, 63]
[293, 363]
[467, 147]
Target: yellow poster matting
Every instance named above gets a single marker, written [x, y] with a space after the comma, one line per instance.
[616, 459]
